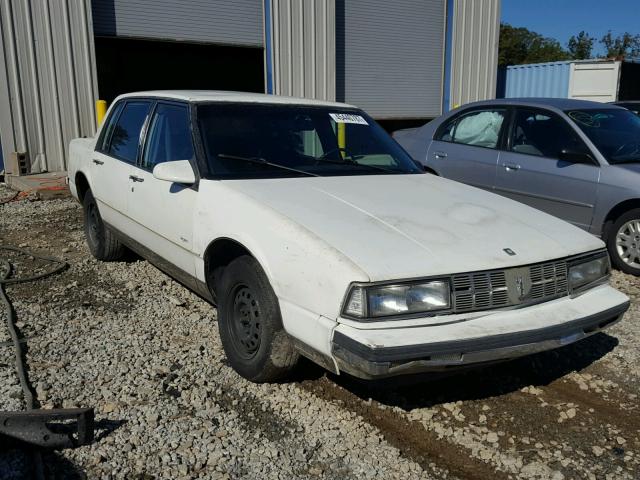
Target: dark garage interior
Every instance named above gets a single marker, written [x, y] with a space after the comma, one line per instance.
[128, 65]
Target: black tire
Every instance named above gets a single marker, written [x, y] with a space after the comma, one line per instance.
[102, 243]
[617, 252]
[254, 340]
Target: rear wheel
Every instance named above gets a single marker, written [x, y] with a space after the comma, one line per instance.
[623, 242]
[250, 324]
[102, 243]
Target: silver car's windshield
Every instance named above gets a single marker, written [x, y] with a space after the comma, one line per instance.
[615, 132]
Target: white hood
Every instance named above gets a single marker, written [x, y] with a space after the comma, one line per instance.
[408, 226]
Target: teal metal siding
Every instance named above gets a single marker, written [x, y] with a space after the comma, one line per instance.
[549, 80]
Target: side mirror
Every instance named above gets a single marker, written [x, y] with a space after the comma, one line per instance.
[575, 156]
[179, 171]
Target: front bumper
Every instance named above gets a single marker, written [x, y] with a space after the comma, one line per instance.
[498, 336]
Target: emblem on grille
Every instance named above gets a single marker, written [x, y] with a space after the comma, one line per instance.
[518, 284]
[509, 252]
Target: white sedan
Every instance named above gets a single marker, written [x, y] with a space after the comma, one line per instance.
[315, 234]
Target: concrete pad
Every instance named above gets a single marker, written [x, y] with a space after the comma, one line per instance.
[45, 186]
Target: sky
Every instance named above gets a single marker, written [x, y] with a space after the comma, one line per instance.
[560, 19]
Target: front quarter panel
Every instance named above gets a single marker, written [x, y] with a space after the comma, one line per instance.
[616, 185]
[309, 277]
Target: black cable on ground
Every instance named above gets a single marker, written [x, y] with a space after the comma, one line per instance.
[10, 198]
[5, 272]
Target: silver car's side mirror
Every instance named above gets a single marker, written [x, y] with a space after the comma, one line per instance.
[575, 156]
[179, 171]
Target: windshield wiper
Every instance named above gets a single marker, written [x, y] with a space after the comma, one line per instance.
[625, 160]
[353, 162]
[263, 161]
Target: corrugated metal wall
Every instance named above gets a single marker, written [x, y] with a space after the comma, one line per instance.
[549, 80]
[303, 53]
[47, 78]
[223, 22]
[389, 56]
[474, 61]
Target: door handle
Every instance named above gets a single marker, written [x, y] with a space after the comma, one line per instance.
[98, 162]
[136, 179]
[439, 154]
[511, 167]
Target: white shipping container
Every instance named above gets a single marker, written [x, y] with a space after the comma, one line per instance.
[596, 81]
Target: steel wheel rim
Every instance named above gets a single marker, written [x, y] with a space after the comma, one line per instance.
[628, 243]
[94, 223]
[246, 320]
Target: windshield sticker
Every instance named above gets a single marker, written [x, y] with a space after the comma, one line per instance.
[590, 120]
[348, 118]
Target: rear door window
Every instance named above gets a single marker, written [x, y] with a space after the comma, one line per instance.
[479, 128]
[169, 138]
[125, 137]
[105, 135]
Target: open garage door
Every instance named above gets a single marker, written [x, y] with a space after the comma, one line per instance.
[128, 65]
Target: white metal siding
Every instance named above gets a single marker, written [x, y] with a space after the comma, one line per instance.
[595, 81]
[304, 48]
[47, 79]
[237, 22]
[474, 61]
[389, 56]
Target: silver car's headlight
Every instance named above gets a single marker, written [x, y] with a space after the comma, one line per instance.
[374, 301]
[588, 271]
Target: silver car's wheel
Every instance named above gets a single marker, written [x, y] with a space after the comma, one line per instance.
[623, 241]
[628, 243]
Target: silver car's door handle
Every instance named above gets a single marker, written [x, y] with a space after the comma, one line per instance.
[136, 179]
[510, 167]
[439, 154]
[98, 162]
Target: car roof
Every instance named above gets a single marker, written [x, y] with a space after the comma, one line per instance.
[558, 103]
[229, 96]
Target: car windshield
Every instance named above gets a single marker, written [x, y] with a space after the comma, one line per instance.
[615, 132]
[267, 141]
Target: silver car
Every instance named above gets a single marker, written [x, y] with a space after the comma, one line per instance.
[574, 159]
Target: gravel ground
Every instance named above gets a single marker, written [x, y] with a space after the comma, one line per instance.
[144, 351]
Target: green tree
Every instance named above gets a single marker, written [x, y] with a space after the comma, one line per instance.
[580, 46]
[625, 45]
[519, 45]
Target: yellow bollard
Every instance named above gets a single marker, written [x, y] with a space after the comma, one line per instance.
[101, 111]
[342, 138]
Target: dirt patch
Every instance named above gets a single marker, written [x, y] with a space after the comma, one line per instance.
[410, 437]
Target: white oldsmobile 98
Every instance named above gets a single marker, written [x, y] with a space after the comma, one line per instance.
[315, 234]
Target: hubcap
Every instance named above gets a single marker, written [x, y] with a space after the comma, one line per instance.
[245, 325]
[628, 243]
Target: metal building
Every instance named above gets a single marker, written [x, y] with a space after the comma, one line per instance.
[404, 61]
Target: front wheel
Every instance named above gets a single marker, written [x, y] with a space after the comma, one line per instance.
[254, 340]
[623, 242]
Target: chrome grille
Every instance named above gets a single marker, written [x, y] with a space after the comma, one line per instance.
[487, 290]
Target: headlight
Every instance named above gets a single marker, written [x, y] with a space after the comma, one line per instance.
[588, 271]
[401, 299]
